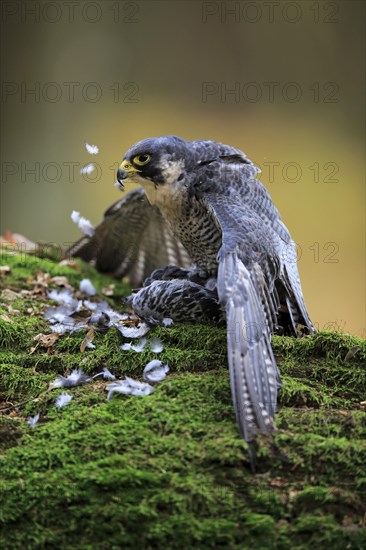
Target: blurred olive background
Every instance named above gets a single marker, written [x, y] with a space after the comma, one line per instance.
[112, 73]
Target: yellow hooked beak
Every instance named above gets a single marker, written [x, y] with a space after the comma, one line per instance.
[124, 171]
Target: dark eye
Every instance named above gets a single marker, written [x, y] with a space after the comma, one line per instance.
[140, 160]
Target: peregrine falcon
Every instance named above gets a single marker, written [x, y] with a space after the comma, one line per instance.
[203, 208]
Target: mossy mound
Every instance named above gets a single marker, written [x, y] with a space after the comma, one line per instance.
[170, 470]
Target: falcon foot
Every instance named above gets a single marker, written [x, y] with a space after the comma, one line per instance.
[173, 272]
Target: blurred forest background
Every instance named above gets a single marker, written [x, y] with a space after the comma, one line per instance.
[283, 81]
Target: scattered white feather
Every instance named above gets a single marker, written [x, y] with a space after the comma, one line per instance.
[139, 388]
[83, 224]
[156, 345]
[126, 347]
[92, 149]
[60, 314]
[100, 320]
[89, 344]
[133, 331]
[115, 316]
[87, 169]
[60, 319]
[155, 371]
[167, 322]
[65, 320]
[65, 297]
[129, 386]
[97, 307]
[60, 328]
[87, 287]
[63, 400]
[62, 297]
[118, 387]
[107, 375]
[76, 378]
[32, 420]
[77, 327]
[138, 347]
[104, 307]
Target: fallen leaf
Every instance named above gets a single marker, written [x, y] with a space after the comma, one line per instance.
[13, 311]
[352, 353]
[10, 295]
[348, 523]
[293, 494]
[108, 290]
[61, 281]
[46, 340]
[70, 263]
[21, 243]
[89, 337]
[6, 318]
[42, 279]
[279, 482]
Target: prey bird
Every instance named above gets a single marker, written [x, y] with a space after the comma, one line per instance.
[203, 208]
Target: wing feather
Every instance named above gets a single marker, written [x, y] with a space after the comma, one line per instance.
[250, 261]
[253, 371]
[132, 240]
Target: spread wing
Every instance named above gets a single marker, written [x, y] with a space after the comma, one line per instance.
[132, 240]
[251, 264]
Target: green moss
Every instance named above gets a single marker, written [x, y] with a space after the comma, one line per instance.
[11, 429]
[19, 381]
[19, 334]
[170, 470]
[331, 345]
[25, 267]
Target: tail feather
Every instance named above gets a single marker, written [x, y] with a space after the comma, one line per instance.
[254, 375]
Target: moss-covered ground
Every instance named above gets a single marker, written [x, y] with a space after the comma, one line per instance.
[170, 470]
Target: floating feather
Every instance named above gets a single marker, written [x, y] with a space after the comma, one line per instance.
[88, 169]
[84, 225]
[92, 149]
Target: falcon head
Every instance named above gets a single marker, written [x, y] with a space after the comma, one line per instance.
[154, 162]
[162, 165]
